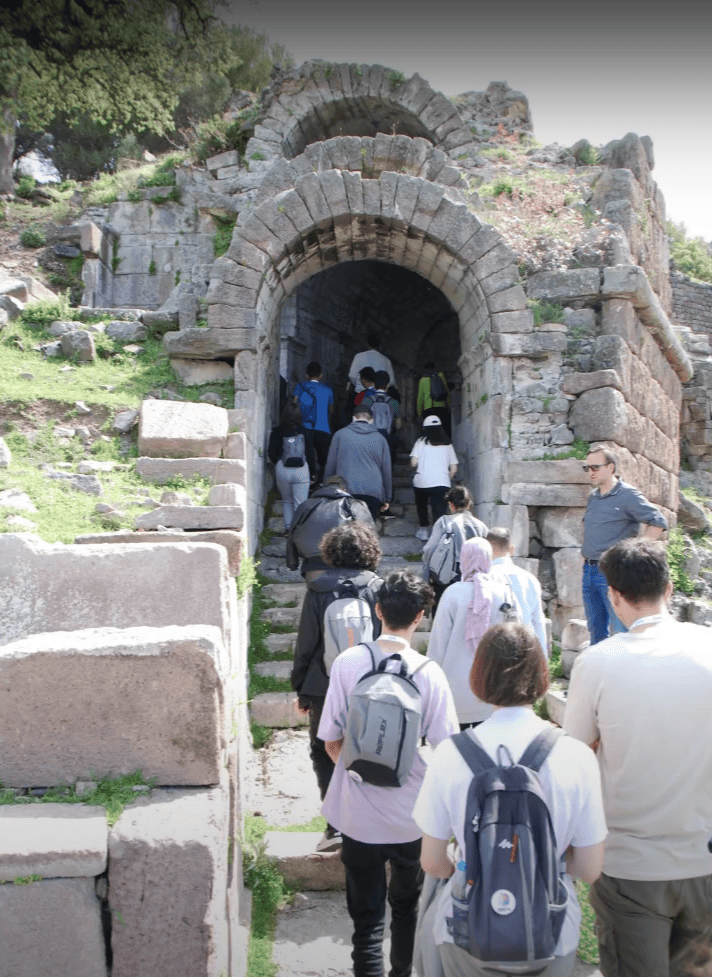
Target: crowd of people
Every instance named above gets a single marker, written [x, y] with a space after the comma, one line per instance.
[624, 799]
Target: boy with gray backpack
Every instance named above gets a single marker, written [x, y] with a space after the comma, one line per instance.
[382, 697]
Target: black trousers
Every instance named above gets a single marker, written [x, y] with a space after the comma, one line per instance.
[366, 894]
[374, 505]
[436, 497]
[321, 761]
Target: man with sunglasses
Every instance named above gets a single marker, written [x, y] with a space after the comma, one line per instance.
[615, 511]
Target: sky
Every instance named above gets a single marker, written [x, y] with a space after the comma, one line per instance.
[594, 71]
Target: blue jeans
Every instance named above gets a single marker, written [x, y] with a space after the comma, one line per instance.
[600, 616]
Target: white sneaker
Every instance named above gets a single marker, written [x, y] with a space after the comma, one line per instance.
[423, 533]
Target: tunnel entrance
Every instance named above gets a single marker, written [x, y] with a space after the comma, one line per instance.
[329, 317]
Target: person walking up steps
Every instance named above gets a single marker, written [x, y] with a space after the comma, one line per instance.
[525, 586]
[433, 396]
[441, 555]
[316, 402]
[435, 463]
[361, 457]
[376, 822]
[292, 454]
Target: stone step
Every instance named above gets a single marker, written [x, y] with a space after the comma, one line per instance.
[301, 865]
[556, 705]
[279, 643]
[279, 669]
[283, 615]
[390, 546]
[399, 527]
[284, 593]
[192, 517]
[276, 710]
[277, 572]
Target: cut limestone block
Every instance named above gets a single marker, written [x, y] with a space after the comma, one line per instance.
[171, 429]
[556, 705]
[277, 643]
[568, 565]
[280, 669]
[301, 864]
[283, 615]
[276, 710]
[228, 493]
[285, 593]
[53, 587]
[52, 840]
[169, 877]
[193, 373]
[229, 539]
[51, 927]
[192, 517]
[216, 470]
[110, 701]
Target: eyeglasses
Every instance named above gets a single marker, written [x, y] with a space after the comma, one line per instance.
[593, 468]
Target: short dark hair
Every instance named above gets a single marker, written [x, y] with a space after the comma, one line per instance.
[291, 416]
[610, 456]
[351, 545]
[499, 538]
[402, 597]
[374, 340]
[510, 667]
[336, 480]
[314, 369]
[382, 379]
[362, 410]
[368, 373]
[459, 496]
[637, 569]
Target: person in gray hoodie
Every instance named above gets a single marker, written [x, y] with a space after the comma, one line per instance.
[360, 455]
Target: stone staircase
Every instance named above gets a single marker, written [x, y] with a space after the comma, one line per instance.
[401, 550]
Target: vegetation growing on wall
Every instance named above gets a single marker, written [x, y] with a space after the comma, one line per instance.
[692, 256]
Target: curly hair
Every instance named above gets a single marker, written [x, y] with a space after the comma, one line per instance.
[510, 667]
[351, 545]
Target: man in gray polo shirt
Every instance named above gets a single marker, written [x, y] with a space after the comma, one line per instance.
[614, 512]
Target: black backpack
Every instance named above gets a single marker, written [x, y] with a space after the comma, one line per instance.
[438, 390]
[293, 451]
[510, 913]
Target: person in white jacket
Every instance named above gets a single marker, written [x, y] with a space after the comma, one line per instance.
[466, 610]
[525, 585]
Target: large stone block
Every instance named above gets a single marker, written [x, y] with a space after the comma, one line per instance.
[194, 373]
[52, 840]
[561, 527]
[191, 517]
[51, 927]
[600, 415]
[217, 470]
[171, 429]
[523, 493]
[113, 701]
[226, 336]
[229, 539]
[566, 471]
[573, 284]
[568, 565]
[53, 587]
[169, 878]
[515, 518]
[276, 710]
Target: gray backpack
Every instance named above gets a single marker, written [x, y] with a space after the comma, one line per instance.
[444, 561]
[510, 915]
[348, 619]
[383, 723]
[382, 412]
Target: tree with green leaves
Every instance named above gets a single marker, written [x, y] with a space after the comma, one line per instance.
[111, 60]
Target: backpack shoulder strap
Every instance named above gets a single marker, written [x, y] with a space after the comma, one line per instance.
[476, 758]
[540, 748]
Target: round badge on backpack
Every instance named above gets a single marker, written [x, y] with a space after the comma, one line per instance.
[503, 902]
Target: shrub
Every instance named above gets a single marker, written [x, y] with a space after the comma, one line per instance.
[691, 256]
[47, 310]
[33, 237]
[589, 155]
[223, 235]
[676, 547]
[545, 311]
[218, 135]
[25, 187]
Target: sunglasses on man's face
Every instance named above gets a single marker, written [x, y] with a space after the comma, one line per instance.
[592, 468]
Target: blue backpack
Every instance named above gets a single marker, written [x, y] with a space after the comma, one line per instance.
[510, 914]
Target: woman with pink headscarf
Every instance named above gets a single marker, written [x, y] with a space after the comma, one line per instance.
[466, 610]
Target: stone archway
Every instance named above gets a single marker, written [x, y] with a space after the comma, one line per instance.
[335, 216]
[318, 101]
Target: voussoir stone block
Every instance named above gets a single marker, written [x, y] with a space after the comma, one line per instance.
[169, 875]
[115, 701]
[171, 429]
[53, 587]
[51, 927]
[52, 840]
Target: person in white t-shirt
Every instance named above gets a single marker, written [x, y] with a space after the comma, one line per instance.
[375, 822]
[435, 462]
[510, 673]
[646, 696]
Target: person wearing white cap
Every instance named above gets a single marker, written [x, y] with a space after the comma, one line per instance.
[435, 461]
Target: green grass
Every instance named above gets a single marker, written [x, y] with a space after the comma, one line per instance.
[223, 235]
[676, 554]
[131, 377]
[64, 513]
[111, 793]
[577, 449]
[588, 944]
[545, 311]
